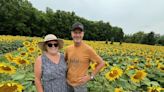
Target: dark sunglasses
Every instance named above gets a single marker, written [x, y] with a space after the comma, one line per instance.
[50, 45]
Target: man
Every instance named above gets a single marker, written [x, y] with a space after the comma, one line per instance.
[78, 56]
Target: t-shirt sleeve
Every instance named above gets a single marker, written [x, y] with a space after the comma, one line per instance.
[94, 57]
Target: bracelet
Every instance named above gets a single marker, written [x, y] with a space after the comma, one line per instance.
[92, 77]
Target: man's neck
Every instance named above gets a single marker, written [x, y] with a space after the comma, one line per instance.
[78, 44]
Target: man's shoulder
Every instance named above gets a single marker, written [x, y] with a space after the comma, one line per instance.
[88, 47]
[69, 47]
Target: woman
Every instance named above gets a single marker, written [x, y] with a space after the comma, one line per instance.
[50, 68]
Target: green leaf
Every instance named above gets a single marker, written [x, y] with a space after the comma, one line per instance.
[18, 76]
[130, 72]
[146, 81]
[161, 80]
[154, 83]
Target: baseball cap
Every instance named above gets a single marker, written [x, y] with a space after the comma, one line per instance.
[78, 25]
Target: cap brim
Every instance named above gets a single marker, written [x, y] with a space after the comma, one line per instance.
[77, 28]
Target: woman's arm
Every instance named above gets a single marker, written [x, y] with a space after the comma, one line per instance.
[37, 72]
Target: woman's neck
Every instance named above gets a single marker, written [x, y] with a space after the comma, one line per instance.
[54, 54]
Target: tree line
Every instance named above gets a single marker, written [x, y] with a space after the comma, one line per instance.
[145, 38]
[19, 17]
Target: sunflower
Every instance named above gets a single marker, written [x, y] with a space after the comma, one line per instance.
[135, 61]
[138, 76]
[31, 49]
[19, 49]
[39, 52]
[11, 87]
[131, 67]
[94, 65]
[154, 89]
[9, 57]
[114, 73]
[23, 54]
[7, 69]
[26, 43]
[106, 65]
[34, 42]
[32, 59]
[148, 59]
[21, 61]
[160, 67]
[148, 64]
[118, 90]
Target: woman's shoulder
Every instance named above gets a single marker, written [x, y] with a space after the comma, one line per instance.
[38, 60]
[62, 55]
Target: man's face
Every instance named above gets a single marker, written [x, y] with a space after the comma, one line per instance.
[77, 35]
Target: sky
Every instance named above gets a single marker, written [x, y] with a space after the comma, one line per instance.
[131, 15]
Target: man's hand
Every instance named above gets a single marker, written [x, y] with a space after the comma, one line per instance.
[84, 79]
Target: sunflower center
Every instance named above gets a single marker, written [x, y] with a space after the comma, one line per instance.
[6, 68]
[23, 54]
[154, 90]
[26, 43]
[31, 49]
[22, 61]
[106, 65]
[6, 88]
[113, 73]
[162, 68]
[138, 75]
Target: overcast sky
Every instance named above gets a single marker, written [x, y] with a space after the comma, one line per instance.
[131, 15]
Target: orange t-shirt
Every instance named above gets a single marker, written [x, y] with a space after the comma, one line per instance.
[78, 59]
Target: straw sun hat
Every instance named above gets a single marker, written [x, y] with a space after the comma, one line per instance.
[50, 37]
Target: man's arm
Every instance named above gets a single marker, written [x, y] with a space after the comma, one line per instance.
[94, 57]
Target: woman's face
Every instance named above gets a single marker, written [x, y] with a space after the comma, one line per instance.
[52, 47]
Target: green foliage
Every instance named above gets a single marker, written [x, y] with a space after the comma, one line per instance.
[145, 38]
[19, 17]
[9, 46]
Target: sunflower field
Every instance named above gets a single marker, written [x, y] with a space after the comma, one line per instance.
[128, 67]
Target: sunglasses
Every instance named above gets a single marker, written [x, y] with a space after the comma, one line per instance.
[50, 45]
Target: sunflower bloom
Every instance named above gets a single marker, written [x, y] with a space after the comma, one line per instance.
[148, 65]
[160, 67]
[140, 75]
[118, 90]
[11, 87]
[9, 57]
[31, 49]
[114, 73]
[94, 65]
[106, 65]
[26, 43]
[154, 89]
[20, 61]
[19, 49]
[23, 54]
[131, 67]
[7, 69]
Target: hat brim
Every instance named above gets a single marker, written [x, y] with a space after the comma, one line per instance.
[77, 28]
[42, 47]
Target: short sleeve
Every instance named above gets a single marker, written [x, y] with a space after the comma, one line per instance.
[94, 57]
